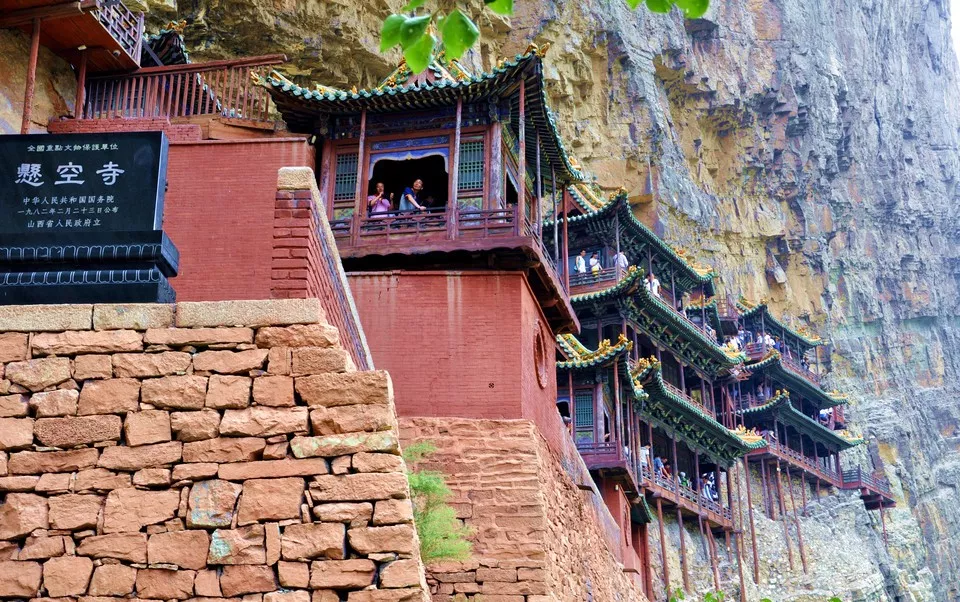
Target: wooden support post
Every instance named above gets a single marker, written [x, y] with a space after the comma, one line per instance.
[645, 561]
[31, 77]
[539, 209]
[683, 550]
[556, 215]
[452, 201]
[796, 520]
[663, 550]
[359, 204]
[765, 490]
[496, 185]
[783, 516]
[712, 549]
[618, 413]
[753, 531]
[803, 491]
[522, 159]
[736, 550]
[81, 85]
[683, 381]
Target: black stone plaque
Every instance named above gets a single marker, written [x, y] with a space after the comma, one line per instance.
[81, 219]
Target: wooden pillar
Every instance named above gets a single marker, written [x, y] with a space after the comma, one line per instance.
[683, 550]
[616, 235]
[452, 202]
[712, 549]
[783, 516]
[556, 216]
[836, 458]
[495, 191]
[765, 490]
[673, 288]
[618, 413]
[663, 550]
[522, 159]
[650, 455]
[359, 202]
[566, 242]
[81, 85]
[539, 212]
[753, 531]
[31, 77]
[796, 520]
[645, 561]
[683, 380]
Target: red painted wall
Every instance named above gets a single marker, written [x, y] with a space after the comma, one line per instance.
[219, 211]
[459, 344]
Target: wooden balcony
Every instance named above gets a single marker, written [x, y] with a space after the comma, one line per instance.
[757, 351]
[111, 33]
[809, 468]
[194, 92]
[874, 490]
[457, 238]
[589, 282]
[687, 499]
[608, 459]
[676, 391]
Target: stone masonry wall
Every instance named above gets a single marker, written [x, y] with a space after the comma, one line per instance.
[208, 451]
[541, 532]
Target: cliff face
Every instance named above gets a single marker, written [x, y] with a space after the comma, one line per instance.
[816, 136]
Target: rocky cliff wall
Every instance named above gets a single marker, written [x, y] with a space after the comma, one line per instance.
[219, 450]
[815, 136]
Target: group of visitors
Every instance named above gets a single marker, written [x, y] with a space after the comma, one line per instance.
[826, 416]
[582, 263]
[706, 484]
[382, 203]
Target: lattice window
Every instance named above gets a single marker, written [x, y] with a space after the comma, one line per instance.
[471, 166]
[345, 185]
[583, 403]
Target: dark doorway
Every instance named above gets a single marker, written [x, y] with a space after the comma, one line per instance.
[397, 175]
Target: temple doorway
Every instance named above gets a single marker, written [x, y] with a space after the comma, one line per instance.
[399, 174]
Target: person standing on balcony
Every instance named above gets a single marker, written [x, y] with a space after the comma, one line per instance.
[653, 285]
[621, 261]
[410, 201]
[595, 266]
[580, 264]
[379, 203]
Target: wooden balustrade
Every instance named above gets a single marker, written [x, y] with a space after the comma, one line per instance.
[856, 479]
[589, 278]
[125, 26]
[218, 88]
[689, 399]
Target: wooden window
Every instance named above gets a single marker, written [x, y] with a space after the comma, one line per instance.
[471, 165]
[583, 404]
[345, 185]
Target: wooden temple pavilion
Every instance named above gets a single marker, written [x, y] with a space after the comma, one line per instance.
[485, 147]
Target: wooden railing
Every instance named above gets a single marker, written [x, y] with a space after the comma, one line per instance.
[125, 26]
[404, 225]
[475, 223]
[857, 479]
[223, 88]
[687, 493]
[799, 370]
[588, 278]
[676, 391]
[798, 459]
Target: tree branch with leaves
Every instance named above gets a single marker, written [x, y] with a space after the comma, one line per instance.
[413, 28]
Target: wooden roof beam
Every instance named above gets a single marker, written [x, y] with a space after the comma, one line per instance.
[56, 11]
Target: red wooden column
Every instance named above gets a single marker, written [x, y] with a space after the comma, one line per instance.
[452, 203]
[522, 160]
[81, 84]
[618, 415]
[663, 550]
[783, 516]
[359, 202]
[796, 519]
[753, 531]
[737, 527]
[31, 78]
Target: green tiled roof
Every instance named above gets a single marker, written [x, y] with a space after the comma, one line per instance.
[599, 216]
[791, 380]
[785, 411]
[678, 415]
[749, 310]
[581, 357]
[302, 107]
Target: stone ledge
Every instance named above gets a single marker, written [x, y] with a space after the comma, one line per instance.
[253, 314]
[132, 316]
[45, 318]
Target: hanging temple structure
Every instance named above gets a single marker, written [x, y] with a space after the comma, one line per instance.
[519, 292]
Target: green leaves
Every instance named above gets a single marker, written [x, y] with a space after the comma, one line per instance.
[420, 53]
[412, 30]
[412, 5]
[390, 32]
[693, 9]
[501, 7]
[459, 33]
[659, 6]
[633, 4]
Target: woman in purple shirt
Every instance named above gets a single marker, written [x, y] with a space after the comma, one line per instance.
[379, 203]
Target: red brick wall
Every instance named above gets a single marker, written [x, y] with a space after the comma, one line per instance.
[450, 340]
[219, 211]
[184, 132]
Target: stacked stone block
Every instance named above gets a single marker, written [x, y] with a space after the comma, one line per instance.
[199, 451]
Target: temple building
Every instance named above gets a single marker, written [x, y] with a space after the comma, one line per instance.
[493, 280]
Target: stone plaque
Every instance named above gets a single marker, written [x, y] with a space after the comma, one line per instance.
[81, 219]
